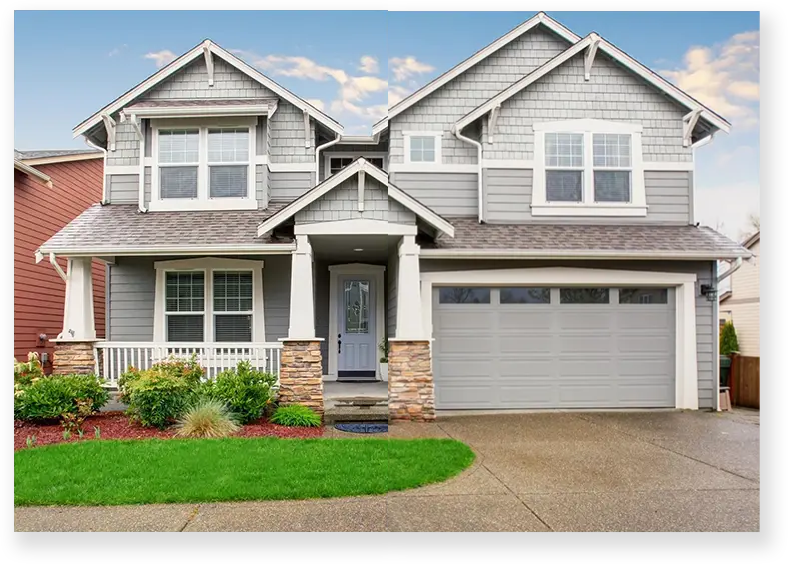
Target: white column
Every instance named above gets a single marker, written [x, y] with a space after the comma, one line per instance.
[687, 386]
[79, 302]
[409, 298]
[301, 310]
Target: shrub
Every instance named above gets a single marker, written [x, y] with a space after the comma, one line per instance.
[52, 397]
[25, 373]
[246, 391]
[207, 418]
[296, 416]
[156, 398]
[729, 339]
[187, 369]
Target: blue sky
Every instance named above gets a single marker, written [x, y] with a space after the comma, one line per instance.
[69, 64]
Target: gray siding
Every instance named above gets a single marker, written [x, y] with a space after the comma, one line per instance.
[148, 184]
[127, 147]
[260, 193]
[342, 203]
[287, 186]
[131, 297]
[448, 194]
[287, 136]
[612, 93]
[706, 334]
[441, 109]
[122, 188]
[507, 194]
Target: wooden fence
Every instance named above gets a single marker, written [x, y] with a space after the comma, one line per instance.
[745, 381]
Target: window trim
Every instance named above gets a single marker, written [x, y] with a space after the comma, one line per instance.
[636, 207]
[204, 200]
[353, 156]
[437, 138]
[208, 266]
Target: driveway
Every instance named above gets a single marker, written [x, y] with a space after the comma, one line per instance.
[645, 471]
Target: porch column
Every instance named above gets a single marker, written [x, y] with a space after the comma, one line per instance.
[301, 357]
[410, 376]
[74, 349]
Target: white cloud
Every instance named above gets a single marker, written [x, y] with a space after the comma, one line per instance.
[404, 68]
[724, 77]
[396, 94]
[117, 50]
[161, 58]
[369, 65]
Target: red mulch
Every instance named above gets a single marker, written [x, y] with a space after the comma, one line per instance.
[116, 425]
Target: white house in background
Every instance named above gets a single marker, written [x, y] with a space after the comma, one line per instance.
[521, 229]
[741, 304]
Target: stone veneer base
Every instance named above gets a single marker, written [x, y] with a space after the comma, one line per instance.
[73, 357]
[301, 375]
[410, 382]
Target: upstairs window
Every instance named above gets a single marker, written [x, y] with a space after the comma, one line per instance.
[564, 162]
[612, 167]
[179, 162]
[338, 163]
[422, 148]
[228, 155]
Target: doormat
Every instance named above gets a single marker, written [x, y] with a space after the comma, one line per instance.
[362, 427]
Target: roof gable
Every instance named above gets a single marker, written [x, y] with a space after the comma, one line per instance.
[360, 165]
[187, 59]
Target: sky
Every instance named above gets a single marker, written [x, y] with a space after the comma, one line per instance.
[354, 65]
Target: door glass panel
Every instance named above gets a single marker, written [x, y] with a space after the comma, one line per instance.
[356, 304]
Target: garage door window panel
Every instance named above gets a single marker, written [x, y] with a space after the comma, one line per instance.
[524, 295]
[643, 296]
[464, 295]
[585, 295]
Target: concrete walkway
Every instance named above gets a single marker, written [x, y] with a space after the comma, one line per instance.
[648, 471]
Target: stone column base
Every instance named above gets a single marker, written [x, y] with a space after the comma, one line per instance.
[301, 375]
[73, 357]
[410, 381]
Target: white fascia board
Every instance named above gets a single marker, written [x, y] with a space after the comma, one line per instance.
[561, 254]
[529, 164]
[540, 18]
[187, 58]
[168, 250]
[30, 171]
[355, 227]
[290, 167]
[62, 158]
[558, 275]
[200, 111]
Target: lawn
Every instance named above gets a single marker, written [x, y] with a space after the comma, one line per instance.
[232, 469]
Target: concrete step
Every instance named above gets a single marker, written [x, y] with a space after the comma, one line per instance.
[345, 414]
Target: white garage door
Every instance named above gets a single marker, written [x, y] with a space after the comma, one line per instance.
[537, 347]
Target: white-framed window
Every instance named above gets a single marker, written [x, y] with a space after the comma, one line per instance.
[588, 167]
[422, 147]
[209, 300]
[336, 162]
[203, 165]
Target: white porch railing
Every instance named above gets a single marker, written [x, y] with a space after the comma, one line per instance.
[114, 358]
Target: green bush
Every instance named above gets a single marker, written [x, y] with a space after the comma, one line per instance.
[157, 398]
[26, 372]
[248, 392]
[51, 397]
[187, 369]
[729, 339]
[296, 416]
[208, 418]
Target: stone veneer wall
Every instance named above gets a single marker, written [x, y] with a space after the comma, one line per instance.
[410, 381]
[73, 357]
[301, 374]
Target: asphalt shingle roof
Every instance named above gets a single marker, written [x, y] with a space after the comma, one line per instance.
[122, 225]
[566, 239]
[43, 154]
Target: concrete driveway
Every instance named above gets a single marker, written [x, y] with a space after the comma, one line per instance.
[647, 471]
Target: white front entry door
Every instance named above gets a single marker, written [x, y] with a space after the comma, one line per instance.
[357, 331]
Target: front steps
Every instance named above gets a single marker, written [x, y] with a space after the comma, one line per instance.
[357, 409]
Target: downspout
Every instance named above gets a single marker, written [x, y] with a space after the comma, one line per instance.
[103, 200]
[736, 265]
[319, 149]
[479, 146]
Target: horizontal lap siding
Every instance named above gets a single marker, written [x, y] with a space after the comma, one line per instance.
[39, 212]
[668, 196]
[122, 188]
[288, 186]
[507, 195]
[447, 194]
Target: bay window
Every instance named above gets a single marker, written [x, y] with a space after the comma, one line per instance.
[588, 167]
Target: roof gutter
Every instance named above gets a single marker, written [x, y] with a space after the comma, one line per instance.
[479, 147]
[735, 266]
[165, 250]
[319, 149]
[104, 197]
[525, 254]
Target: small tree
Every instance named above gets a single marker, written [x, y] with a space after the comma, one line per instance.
[729, 339]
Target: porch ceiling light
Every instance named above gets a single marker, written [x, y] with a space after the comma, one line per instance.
[358, 250]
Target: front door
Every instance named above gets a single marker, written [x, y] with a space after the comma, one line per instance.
[357, 341]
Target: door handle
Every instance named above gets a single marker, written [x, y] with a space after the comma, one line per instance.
[339, 343]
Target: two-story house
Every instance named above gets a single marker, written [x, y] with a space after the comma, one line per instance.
[521, 230]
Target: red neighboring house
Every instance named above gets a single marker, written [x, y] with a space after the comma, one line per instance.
[51, 188]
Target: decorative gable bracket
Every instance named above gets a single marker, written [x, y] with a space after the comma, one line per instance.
[492, 122]
[111, 131]
[688, 123]
[135, 122]
[307, 119]
[361, 188]
[590, 55]
[209, 62]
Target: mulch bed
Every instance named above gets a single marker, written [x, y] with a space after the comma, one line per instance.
[116, 425]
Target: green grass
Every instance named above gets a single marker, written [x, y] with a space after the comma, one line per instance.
[230, 469]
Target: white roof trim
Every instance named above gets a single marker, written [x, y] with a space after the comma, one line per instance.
[616, 54]
[111, 250]
[187, 58]
[566, 254]
[429, 88]
[41, 177]
[201, 111]
[350, 170]
[89, 155]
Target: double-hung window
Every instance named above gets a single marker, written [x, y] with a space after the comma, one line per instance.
[185, 307]
[588, 167]
[233, 307]
[228, 157]
[179, 163]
